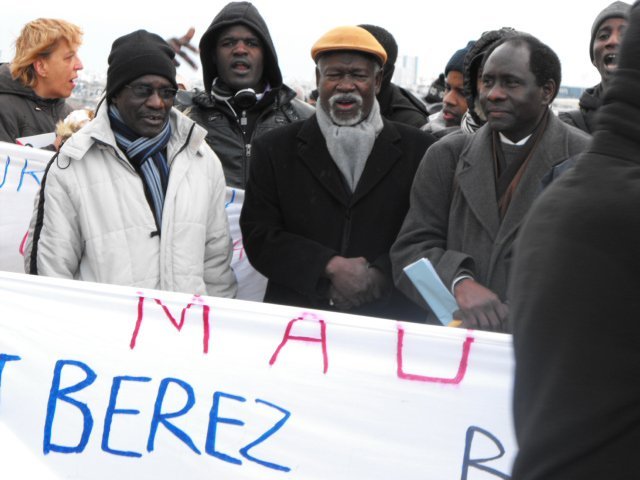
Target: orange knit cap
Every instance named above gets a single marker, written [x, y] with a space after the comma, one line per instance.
[348, 38]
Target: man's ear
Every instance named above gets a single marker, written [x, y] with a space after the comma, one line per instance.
[549, 90]
[317, 75]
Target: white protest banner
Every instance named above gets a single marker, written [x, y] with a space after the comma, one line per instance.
[251, 284]
[21, 172]
[103, 382]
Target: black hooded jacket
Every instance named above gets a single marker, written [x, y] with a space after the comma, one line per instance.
[23, 113]
[400, 105]
[225, 135]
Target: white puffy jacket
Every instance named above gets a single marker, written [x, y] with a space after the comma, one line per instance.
[92, 221]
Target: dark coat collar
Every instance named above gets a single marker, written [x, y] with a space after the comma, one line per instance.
[314, 153]
[477, 182]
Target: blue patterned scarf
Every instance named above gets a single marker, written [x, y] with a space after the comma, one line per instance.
[148, 157]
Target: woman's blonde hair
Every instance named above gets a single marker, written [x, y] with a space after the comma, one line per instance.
[39, 38]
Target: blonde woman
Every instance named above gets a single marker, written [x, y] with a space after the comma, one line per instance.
[43, 73]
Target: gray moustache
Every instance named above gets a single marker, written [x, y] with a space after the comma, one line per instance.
[345, 97]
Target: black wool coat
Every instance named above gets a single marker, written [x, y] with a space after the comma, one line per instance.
[576, 301]
[298, 213]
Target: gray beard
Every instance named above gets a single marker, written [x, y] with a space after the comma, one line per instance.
[346, 122]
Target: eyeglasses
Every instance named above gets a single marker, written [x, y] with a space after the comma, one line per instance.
[145, 91]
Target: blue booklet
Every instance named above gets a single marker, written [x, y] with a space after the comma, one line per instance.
[428, 283]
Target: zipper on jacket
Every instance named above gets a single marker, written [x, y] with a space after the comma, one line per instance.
[242, 122]
[247, 146]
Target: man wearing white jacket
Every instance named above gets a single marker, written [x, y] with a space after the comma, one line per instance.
[136, 197]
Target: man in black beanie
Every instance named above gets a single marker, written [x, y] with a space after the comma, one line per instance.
[606, 35]
[396, 103]
[454, 102]
[244, 95]
[136, 197]
[575, 302]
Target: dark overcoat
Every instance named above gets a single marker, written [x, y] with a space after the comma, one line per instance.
[298, 212]
[576, 298]
[454, 219]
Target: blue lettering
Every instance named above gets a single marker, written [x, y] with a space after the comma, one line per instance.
[112, 410]
[478, 462]
[28, 172]
[4, 358]
[245, 450]
[231, 200]
[214, 419]
[56, 394]
[7, 162]
[162, 418]
[61, 393]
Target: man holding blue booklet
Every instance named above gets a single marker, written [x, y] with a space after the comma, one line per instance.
[471, 192]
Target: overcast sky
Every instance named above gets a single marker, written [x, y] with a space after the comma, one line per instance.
[429, 30]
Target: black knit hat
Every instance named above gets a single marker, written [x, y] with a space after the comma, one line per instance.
[137, 54]
[456, 63]
[615, 10]
[390, 46]
[621, 99]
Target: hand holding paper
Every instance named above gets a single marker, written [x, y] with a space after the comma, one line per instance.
[428, 283]
[480, 307]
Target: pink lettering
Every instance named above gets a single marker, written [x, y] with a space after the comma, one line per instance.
[309, 317]
[23, 243]
[462, 366]
[239, 248]
[197, 300]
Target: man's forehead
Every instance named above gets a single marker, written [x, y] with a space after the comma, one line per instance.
[612, 22]
[505, 55]
[237, 30]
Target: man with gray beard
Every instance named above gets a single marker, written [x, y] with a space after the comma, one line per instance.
[326, 197]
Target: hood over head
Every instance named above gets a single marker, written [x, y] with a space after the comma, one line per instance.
[12, 86]
[390, 46]
[615, 10]
[238, 13]
[472, 62]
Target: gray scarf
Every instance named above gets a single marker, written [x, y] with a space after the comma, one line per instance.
[351, 146]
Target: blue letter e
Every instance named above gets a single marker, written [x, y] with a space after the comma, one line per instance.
[62, 394]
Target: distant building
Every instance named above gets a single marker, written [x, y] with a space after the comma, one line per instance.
[87, 93]
[406, 72]
[570, 92]
[567, 99]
